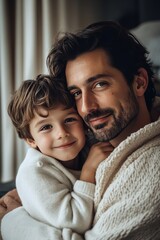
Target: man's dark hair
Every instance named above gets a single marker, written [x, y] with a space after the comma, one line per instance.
[126, 53]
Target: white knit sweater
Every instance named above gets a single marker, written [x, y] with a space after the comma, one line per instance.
[127, 198]
[127, 194]
[50, 193]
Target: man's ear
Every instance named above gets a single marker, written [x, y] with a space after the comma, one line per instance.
[140, 82]
[31, 142]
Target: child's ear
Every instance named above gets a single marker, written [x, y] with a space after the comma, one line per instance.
[31, 142]
[140, 82]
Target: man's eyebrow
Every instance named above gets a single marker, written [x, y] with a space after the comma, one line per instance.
[92, 79]
[72, 87]
[89, 80]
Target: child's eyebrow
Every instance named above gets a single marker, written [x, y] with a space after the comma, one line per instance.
[40, 122]
[72, 113]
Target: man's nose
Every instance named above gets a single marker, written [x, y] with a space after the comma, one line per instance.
[89, 103]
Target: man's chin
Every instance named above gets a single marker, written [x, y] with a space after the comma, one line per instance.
[99, 134]
[104, 135]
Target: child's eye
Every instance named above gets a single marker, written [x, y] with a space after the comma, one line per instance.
[70, 120]
[46, 127]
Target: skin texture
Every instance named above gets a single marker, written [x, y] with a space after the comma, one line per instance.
[110, 107]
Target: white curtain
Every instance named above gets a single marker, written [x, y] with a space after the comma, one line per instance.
[27, 31]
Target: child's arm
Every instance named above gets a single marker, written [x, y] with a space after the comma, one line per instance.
[18, 224]
[51, 194]
[97, 154]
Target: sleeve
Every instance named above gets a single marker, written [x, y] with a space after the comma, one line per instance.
[50, 197]
[18, 224]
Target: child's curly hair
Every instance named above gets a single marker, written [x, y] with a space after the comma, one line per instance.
[44, 91]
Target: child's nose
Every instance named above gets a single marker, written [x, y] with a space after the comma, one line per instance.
[62, 132]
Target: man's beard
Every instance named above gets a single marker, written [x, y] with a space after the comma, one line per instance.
[125, 116]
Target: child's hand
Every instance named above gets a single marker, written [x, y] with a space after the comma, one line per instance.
[9, 202]
[97, 154]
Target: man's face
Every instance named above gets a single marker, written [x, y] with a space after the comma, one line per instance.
[102, 95]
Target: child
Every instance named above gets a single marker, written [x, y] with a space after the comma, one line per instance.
[47, 180]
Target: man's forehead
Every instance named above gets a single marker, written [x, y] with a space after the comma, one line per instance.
[86, 67]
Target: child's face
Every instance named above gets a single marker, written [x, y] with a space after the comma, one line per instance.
[59, 135]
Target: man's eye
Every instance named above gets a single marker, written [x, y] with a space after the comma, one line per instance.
[46, 127]
[76, 94]
[101, 84]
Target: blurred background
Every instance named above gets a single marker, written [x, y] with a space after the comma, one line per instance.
[28, 29]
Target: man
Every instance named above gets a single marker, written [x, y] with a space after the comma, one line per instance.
[108, 73]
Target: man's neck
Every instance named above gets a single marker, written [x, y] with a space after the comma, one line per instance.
[155, 111]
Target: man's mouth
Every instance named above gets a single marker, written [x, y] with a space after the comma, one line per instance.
[98, 117]
[99, 120]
